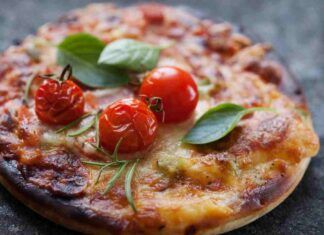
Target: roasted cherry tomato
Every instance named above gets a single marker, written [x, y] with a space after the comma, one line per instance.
[129, 121]
[59, 101]
[177, 90]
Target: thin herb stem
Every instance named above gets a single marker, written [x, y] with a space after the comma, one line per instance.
[128, 185]
[103, 168]
[75, 122]
[82, 129]
[101, 150]
[115, 177]
[94, 163]
[115, 153]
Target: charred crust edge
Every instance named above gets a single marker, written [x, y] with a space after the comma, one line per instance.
[264, 195]
[47, 204]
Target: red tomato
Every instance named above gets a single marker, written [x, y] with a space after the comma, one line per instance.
[59, 102]
[177, 90]
[131, 120]
[153, 13]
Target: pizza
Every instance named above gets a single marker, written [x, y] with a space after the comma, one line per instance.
[148, 120]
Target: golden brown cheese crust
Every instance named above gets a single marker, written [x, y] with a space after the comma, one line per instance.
[178, 189]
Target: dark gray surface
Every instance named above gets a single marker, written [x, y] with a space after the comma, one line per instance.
[294, 27]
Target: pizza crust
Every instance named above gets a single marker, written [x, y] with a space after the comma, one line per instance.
[44, 203]
[240, 222]
[69, 217]
[69, 210]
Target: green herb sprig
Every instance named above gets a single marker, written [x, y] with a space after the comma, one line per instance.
[121, 164]
[82, 129]
[217, 123]
[74, 123]
[128, 182]
[85, 128]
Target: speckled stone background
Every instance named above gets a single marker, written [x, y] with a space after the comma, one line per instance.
[294, 27]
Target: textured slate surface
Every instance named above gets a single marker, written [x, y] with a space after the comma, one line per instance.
[294, 27]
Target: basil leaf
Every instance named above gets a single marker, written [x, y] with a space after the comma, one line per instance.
[217, 123]
[82, 51]
[130, 54]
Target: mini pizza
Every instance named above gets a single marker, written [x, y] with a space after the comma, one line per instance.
[147, 120]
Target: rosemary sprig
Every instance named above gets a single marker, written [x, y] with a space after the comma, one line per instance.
[122, 164]
[100, 150]
[91, 163]
[82, 129]
[103, 168]
[114, 162]
[115, 177]
[115, 153]
[75, 122]
[128, 185]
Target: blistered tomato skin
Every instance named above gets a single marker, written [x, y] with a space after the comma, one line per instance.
[130, 120]
[59, 103]
[176, 88]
